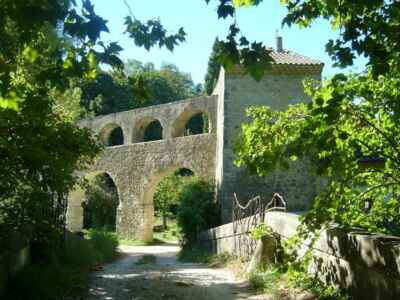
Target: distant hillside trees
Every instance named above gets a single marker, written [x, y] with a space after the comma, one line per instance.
[137, 85]
[213, 68]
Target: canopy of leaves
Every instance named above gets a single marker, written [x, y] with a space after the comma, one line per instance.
[137, 85]
[351, 127]
[44, 45]
[163, 85]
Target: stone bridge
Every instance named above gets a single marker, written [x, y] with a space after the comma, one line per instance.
[137, 166]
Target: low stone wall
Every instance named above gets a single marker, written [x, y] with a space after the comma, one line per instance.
[366, 265]
[14, 255]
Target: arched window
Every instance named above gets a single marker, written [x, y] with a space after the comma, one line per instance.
[153, 132]
[146, 130]
[197, 124]
[191, 123]
[112, 135]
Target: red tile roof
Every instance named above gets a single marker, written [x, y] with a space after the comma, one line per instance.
[286, 57]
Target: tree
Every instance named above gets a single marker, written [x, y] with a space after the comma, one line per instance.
[212, 70]
[167, 195]
[137, 85]
[351, 128]
[40, 146]
[108, 94]
[165, 85]
[45, 44]
[197, 210]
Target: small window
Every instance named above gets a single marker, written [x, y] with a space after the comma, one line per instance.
[146, 130]
[153, 132]
[112, 135]
[197, 124]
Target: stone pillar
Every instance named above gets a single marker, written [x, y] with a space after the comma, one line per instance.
[148, 222]
[127, 130]
[75, 209]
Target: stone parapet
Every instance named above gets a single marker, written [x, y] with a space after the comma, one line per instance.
[367, 265]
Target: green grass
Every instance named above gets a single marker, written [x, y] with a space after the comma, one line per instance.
[199, 255]
[141, 243]
[279, 281]
[68, 274]
[268, 280]
[168, 236]
[171, 234]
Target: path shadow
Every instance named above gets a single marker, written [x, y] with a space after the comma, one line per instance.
[167, 279]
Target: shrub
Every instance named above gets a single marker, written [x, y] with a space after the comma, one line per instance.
[105, 243]
[66, 274]
[40, 281]
[197, 210]
[79, 252]
[102, 202]
[268, 280]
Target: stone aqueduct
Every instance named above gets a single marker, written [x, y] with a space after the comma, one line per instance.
[136, 167]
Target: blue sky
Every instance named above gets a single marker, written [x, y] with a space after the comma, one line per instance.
[201, 24]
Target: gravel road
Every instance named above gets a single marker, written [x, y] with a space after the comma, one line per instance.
[163, 278]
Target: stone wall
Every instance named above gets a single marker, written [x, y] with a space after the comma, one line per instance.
[366, 265]
[136, 170]
[133, 166]
[172, 117]
[136, 167]
[236, 93]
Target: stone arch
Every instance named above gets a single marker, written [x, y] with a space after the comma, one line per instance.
[180, 126]
[148, 197]
[134, 166]
[111, 135]
[77, 197]
[140, 130]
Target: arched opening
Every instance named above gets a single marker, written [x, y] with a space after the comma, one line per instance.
[191, 123]
[184, 172]
[111, 135]
[93, 203]
[100, 203]
[197, 124]
[146, 130]
[153, 132]
[161, 201]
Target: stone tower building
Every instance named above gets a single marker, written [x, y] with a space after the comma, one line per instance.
[281, 86]
[136, 166]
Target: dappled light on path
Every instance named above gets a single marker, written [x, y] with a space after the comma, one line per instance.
[163, 278]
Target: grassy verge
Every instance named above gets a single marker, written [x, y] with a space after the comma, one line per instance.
[167, 236]
[67, 274]
[199, 255]
[154, 242]
[280, 282]
[171, 234]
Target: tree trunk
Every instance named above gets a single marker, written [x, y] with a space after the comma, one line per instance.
[164, 219]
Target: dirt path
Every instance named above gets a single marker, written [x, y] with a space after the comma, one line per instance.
[165, 278]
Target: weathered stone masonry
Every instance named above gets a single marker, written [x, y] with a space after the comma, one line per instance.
[136, 167]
